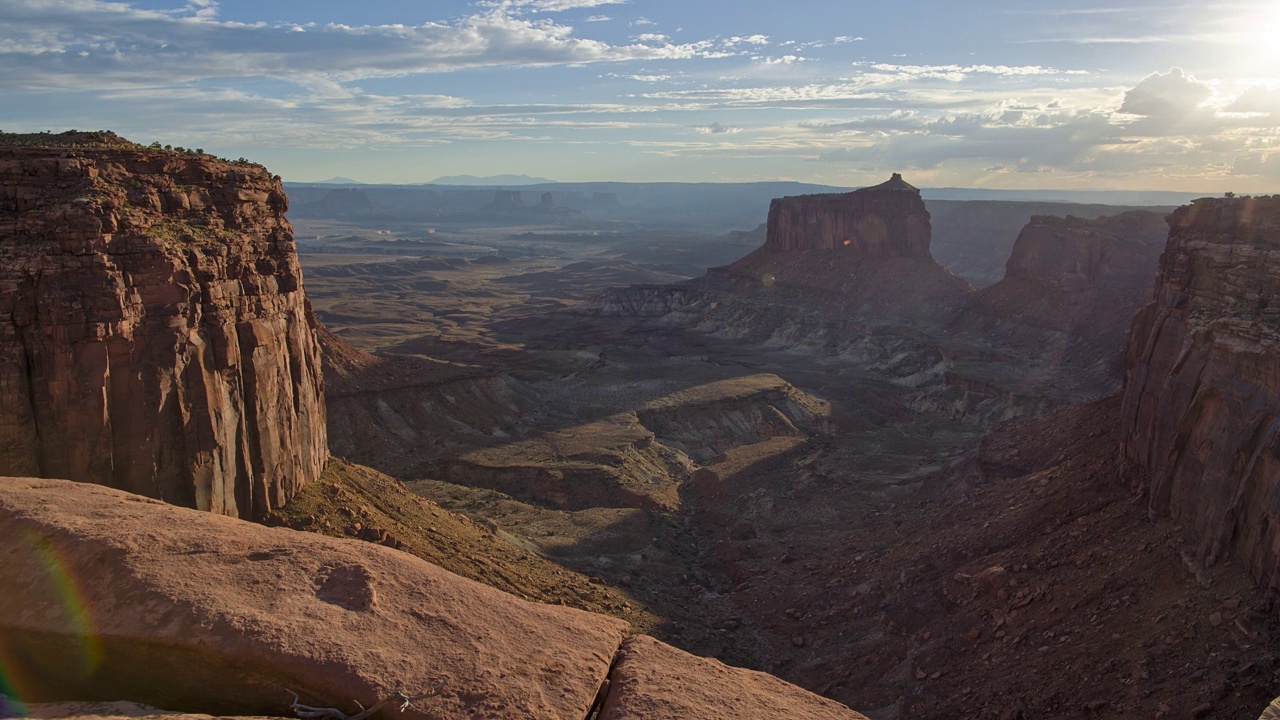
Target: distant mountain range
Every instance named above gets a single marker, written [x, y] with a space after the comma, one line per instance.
[490, 180]
[764, 191]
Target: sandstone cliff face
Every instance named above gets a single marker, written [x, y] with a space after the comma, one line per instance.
[1201, 413]
[1070, 291]
[1074, 253]
[862, 255]
[888, 220]
[154, 335]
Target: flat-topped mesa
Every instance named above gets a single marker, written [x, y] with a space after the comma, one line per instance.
[861, 256]
[887, 220]
[1201, 412]
[154, 334]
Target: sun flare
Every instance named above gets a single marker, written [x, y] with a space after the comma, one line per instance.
[1262, 49]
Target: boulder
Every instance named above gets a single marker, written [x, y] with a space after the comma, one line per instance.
[658, 682]
[112, 596]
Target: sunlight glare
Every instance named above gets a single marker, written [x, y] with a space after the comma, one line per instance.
[1263, 49]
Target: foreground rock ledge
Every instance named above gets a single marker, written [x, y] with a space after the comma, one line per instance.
[115, 596]
[656, 681]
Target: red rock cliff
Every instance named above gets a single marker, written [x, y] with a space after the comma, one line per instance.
[1071, 288]
[1074, 253]
[1201, 413]
[887, 220]
[154, 335]
[865, 253]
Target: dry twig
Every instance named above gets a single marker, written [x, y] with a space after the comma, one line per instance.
[398, 698]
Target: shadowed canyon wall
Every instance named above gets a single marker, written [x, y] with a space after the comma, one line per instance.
[887, 220]
[1201, 413]
[154, 334]
[1070, 291]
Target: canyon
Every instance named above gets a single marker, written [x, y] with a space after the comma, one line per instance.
[797, 548]
[831, 458]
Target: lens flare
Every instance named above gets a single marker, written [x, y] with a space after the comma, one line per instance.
[65, 607]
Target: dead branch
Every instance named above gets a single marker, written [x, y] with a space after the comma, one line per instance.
[399, 699]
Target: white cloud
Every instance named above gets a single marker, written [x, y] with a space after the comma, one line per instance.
[640, 77]
[547, 6]
[88, 43]
[716, 128]
[1264, 165]
[780, 60]
[1256, 99]
[958, 73]
[1173, 94]
[203, 9]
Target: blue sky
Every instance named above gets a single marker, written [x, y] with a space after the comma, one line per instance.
[1090, 95]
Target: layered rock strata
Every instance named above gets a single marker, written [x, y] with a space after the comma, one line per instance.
[859, 259]
[887, 220]
[154, 334]
[1070, 290]
[861, 255]
[1201, 413]
[116, 597]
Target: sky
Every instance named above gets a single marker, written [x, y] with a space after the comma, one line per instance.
[984, 93]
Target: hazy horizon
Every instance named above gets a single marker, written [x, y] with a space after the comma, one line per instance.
[991, 95]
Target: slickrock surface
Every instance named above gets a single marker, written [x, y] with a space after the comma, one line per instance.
[658, 682]
[154, 334]
[113, 596]
[120, 597]
[102, 711]
[1201, 414]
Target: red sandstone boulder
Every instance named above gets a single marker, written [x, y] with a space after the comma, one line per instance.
[112, 596]
[658, 682]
